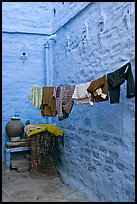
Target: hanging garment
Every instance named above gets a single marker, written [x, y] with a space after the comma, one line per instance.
[64, 101]
[48, 104]
[99, 90]
[118, 77]
[36, 96]
[81, 94]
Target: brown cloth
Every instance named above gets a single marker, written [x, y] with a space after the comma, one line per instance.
[93, 89]
[48, 104]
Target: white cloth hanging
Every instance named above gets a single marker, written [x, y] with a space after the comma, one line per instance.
[81, 94]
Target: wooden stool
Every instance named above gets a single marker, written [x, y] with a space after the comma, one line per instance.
[14, 147]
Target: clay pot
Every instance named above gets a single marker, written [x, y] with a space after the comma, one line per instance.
[14, 128]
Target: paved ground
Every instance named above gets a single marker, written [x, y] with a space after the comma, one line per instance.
[22, 187]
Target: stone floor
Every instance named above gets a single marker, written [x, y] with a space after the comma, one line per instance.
[23, 187]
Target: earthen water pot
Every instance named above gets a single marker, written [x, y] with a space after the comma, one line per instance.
[14, 128]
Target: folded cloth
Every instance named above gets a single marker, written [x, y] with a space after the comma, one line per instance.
[48, 104]
[64, 101]
[81, 94]
[36, 96]
[33, 129]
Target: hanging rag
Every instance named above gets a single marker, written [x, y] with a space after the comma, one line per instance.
[64, 101]
[48, 104]
[81, 94]
[36, 96]
[33, 129]
[117, 78]
[99, 90]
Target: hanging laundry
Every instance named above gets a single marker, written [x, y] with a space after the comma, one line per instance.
[99, 90]
[36, 96]
[81, 94]
[117, 78]
[48, 104]
[64, 101]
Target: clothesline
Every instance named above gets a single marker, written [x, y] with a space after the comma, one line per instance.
[89, 81]
[53, 100]
[132, 58]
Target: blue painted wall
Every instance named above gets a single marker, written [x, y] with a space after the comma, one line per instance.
[98, 153]
[25, 26]
[27, 17]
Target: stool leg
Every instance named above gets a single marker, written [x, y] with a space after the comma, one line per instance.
[7, 161]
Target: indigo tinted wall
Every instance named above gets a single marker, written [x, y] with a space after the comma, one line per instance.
[25, 26]
[93, 39]
[98, 153]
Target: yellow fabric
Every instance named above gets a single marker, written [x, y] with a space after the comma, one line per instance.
[53, 129]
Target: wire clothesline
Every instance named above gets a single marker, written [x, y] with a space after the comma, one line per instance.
[124, 72]
[132, 57]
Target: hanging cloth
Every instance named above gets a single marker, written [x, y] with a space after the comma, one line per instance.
[81, 94]
[99, 90]
[36, 96]
[48, 104]
[117, 78]
[64, 101]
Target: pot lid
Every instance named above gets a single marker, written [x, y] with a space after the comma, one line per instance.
[15, 117]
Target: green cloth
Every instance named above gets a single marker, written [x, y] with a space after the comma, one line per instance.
[36, 96]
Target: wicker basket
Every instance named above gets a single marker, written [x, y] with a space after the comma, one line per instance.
[43, 154]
